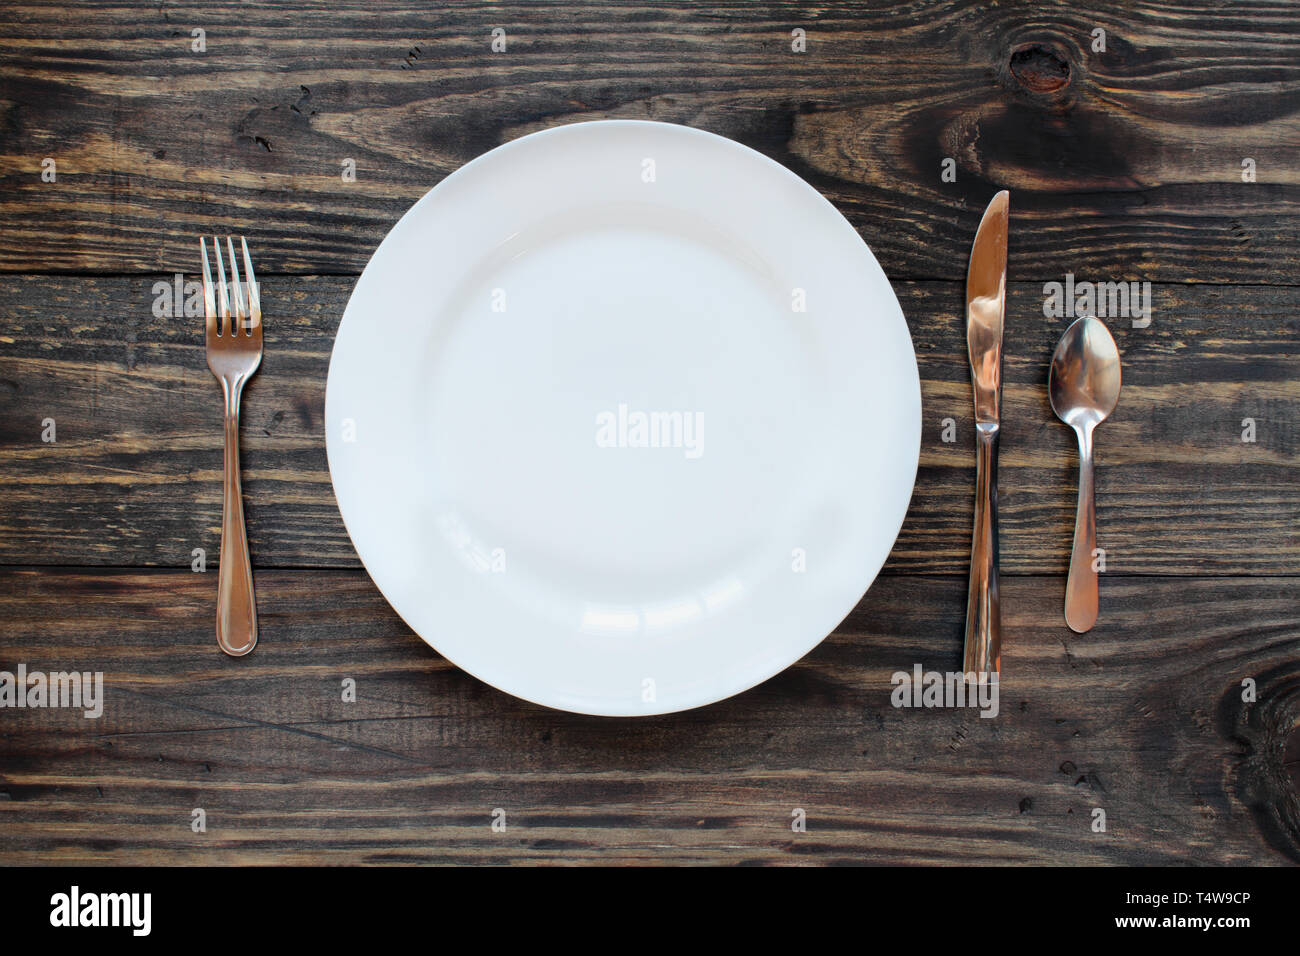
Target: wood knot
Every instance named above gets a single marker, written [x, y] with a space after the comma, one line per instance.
[1040, 68]
[1269, 726]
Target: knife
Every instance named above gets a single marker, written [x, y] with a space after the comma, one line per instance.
[986, 297]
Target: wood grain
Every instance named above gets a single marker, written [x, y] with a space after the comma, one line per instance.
[1177, 715]
[1142, 718]
[135, 475]
[1125, 162]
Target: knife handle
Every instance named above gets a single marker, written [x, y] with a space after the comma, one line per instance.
[983, 651]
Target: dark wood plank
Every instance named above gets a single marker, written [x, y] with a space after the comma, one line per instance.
[1142, 718]
[135, 476]
[1123, 163]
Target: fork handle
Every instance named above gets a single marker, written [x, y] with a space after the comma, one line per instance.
[236, 608]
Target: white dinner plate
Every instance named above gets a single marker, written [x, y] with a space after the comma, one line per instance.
[623, 417]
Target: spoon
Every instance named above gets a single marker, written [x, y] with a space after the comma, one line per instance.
[1084, 388]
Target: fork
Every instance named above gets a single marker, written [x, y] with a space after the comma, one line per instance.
[234, 353]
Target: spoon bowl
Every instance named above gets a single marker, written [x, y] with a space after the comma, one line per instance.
[1084, 380]
[1083, 385]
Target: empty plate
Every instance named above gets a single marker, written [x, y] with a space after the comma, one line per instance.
[623, 418]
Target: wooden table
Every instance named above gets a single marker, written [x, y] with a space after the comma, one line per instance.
[1128, 163]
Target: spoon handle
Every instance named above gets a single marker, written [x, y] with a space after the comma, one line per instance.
[1081, 587]
[983, 650]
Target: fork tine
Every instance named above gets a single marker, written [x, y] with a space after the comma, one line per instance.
[209, 305]
[236, 290]
[224, 304]
[254, 295]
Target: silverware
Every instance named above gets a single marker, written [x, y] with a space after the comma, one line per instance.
[986, 295]
[1084, 388]
[234, 352]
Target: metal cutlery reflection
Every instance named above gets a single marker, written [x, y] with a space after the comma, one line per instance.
[1084, 388]
[986, 293]
[234, 346]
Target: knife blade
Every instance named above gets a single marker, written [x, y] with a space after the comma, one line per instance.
[986, 293]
